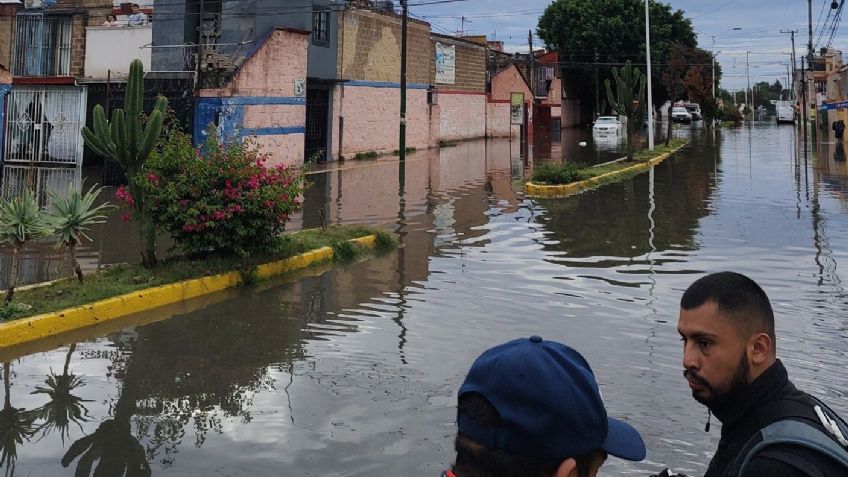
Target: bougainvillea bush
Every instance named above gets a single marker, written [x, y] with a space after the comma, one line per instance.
[220, 198]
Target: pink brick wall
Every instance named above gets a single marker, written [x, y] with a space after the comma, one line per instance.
[281, 149]
[372, 119]
[498, 120]
[271, 73]
[462, 116]
[509, 80]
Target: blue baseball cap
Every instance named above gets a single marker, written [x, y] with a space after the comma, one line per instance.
[548, 402]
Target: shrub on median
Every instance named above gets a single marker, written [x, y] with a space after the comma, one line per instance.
[220, 198]
[555, 174]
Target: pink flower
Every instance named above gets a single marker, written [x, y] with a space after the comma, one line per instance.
[219, 215]
[189, 228]
[234, 208]
[184, 202]
[269, 203]
[126, 217]
[152, 177]
[253, 182]
[123, 195]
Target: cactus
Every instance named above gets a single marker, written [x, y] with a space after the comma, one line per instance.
[630, 89]
[127, 142]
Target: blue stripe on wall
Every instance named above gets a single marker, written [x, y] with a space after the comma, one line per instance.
[273, 131]
[385, 84]
[261, 100]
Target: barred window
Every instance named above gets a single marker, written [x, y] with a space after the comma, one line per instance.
[42, 45]
[320, 25]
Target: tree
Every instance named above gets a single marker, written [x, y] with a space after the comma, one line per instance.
[128, 141]
[628, 99]
[16, 425]
[64, 407]
[698, 81]
[72, 216]
[20, 221]
[615, 29]
[673, 79]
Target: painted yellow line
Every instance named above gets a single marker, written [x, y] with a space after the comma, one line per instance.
[25, 330]
[558, 191]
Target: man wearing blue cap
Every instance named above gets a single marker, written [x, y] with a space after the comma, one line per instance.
[532, 408]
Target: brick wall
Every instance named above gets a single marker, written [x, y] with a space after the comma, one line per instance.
[259, 103]
[6, 42]
[371, 120]
[370, 46]
[462, 116]
[77, 46]
[470, 65]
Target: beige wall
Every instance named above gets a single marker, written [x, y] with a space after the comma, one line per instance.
[370, 48]
[470, 65]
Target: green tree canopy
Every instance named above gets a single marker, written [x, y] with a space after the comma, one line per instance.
[615, 30]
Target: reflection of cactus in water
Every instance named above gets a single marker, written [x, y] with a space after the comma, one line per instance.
[16, 426]
[63, 408]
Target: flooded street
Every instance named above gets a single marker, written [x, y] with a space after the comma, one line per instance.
[353, 370]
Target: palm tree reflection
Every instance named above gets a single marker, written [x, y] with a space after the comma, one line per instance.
[16, 426]
[64, 407]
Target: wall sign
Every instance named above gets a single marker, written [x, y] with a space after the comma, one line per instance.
[516, 108]
[299, 88]
[445, 63]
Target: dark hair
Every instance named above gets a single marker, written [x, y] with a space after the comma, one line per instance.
[737, 297]
[476, 460]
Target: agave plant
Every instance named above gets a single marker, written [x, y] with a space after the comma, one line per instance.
[21, 220]
[16, 426]
[71, 216]
[64, 407]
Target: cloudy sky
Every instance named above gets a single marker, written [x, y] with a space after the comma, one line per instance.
[760, 21]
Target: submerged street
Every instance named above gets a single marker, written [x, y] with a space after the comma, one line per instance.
[354, 370]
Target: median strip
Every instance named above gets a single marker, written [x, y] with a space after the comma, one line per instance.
[50, 324]
[623, 171]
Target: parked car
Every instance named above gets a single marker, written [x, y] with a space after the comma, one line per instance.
[694, 110]
[679, 114]
[607, 125]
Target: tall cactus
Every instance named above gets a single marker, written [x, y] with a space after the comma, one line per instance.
[628, 100]
[127, 142]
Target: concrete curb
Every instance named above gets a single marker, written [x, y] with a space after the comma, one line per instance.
[539, 191]
[25, 330]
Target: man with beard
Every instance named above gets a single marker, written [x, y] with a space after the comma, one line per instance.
[769, 427]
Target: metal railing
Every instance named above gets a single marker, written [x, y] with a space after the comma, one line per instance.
[42, 45]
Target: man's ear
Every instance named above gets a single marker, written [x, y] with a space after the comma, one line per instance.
[568, 468]
[760, 349]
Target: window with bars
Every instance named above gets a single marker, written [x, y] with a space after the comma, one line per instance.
[320, 25]
[42, 45]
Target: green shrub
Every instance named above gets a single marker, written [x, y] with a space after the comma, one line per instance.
[447, 144]
[560, 173]
[221, 198]
[360, 156]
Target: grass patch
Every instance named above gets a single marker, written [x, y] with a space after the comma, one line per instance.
[409, 150]
[559, 174]
[447, 144]
[122, 279]
[366, 156]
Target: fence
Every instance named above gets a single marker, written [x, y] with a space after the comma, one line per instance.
[42, 45]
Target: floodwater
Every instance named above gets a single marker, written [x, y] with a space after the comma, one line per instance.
[353, 370]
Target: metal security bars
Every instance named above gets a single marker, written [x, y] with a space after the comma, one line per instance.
[43, 125]
[42, 45]
[17, 179]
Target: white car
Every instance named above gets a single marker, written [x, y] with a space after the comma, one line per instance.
[607, 125]
[784, 111]
[679, 114]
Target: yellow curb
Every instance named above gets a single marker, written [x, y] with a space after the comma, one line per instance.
[559, 191]
[25, 330]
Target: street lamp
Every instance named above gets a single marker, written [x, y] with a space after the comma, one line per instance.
[714, 53]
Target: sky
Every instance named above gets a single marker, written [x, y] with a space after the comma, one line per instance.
[760, 22]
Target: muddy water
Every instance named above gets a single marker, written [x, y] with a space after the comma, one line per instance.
[353, 370]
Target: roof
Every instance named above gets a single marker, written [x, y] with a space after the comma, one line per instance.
[550, 57]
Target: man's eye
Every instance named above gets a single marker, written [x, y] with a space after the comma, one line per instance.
[704, 343]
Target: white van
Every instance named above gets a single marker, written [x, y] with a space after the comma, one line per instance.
[784, 111]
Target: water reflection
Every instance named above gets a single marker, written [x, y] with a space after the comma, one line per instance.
[353, 370]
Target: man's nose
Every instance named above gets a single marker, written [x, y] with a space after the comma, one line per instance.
[690, 357]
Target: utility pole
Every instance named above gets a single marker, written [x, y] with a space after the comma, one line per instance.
[748, 72]
[804, 100]
[810, 41]
[531, 63]
[791, 84]
[597, 86]
[403, 42]
[650, 105]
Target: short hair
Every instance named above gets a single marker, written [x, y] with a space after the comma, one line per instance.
[737, 297]
[476, 460]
